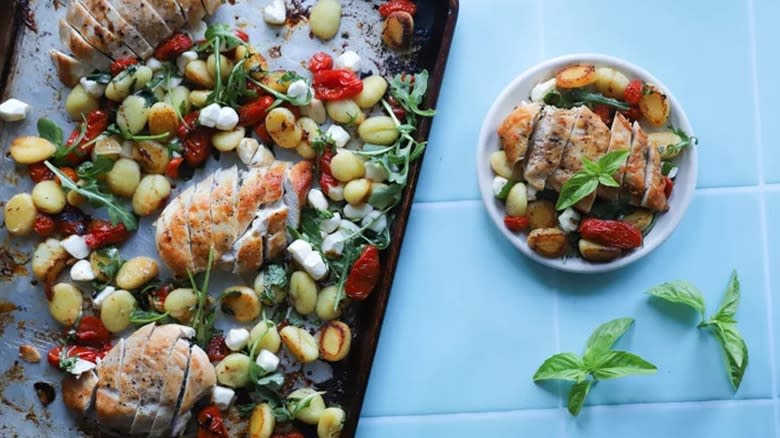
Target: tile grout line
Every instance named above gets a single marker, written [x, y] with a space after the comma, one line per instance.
[762, 209]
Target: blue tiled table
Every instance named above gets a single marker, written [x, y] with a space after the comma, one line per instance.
[470, 318]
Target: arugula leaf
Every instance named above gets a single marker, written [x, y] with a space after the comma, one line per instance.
[203, 321]
[89, 170]
[682, 292]
[605, 336]
[385, 196]
[409, 91]
[92, 192]
[109, 262]
[281, 97]
[579, 96]
[296, 405]
[116, 129]
[587, 180]
[577, 395]
[145, 317]
[50, 131]
[224, 34]
[274, 278]
[671, 151]
[614, 364]
[562, 366]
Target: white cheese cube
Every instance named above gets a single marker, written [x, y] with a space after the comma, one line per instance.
[185, 58]
[375, 221]
[268, 361]
[81, 366]
[237, 339]
[246, 149]
[336, 193]
[315, 266]
[333, 244]
[209, 115]
[542, 89]
[569, 220]
[330, 225]
[222, 397]
[275, 12]
[348, 60]
[498, 184]
[13, 110]
[299, 250]
[298, 90]
[530, 192]
[76, 246]
[198, 30]
[355, 212]
[82, 271]
[154, 64]
[348, 227]
[92, 87]
[97, 302]
[338, 135]
[227, 120]
[317, 200]
[376, 172]
[315, 110]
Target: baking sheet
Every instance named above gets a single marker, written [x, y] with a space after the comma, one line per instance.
[24, 316]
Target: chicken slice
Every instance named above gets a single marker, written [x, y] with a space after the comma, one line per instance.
[140, 15]
[297, 182]
[515, 131]
[150, 378]
[95, 33]
[199, 223]
[111, 19]
[250, 249]
[634, 179]
[589, 139]
[69, 69]
[170, 12]
[107, 393]
[177, 361]
[78, 393]
[193, 11]
[211, 6]
[655, 194]
[201, 379]
[547, 143]
[620, 140]
[173, 234]
[224, 214]
[251, 196]
[81, 49]
[275, 239]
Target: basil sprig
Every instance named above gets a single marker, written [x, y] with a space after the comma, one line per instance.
[587, 180]
[599, 362]
[722, 324]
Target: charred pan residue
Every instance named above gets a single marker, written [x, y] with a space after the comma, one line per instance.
[12, 263]
[275, 52]
[297, 13]
[45, 392]
[28, 16]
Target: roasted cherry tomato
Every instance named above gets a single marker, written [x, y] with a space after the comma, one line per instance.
[217, 349]
[320, 61]
[633, 113]
[516, 223]
[242, 35]
[262, 133]
[96, 123]
[59, 353]
[197, 145]
[363, 275]
[71, 220]
[174, 46]
[39, 172]
[211, 424]
[255, 111]
[327, 180]
[633, 92]
[44, 225]
[336, 84]
[668, 186]
[617, 234]
[172, 168]
[605, 112]
[188, 125]
[102, 233]
[121, 64]
[396, 6]
[91, 332]
[398, 110]
[69, 172]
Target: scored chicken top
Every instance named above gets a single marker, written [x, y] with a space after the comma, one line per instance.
[547, 145]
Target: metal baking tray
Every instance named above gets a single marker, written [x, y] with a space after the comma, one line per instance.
[28, 30]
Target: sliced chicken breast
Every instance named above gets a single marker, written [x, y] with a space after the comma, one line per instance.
[95, 33]
[224, 210]
[109, 17]
[131, 381]
[193, 11]
[141, 15]
[199, 213]
[297, 183]
[634, 179]
[550, 136]
[107, 395]
[211, 6]
[251, 196]
[251, 250]
[177, 363]
[170, 12]
[655, 194]
[173, 234]
[201, 379]
[515, 131]
[69, 69]
[620, 140]
[78, 393]
[81, 49]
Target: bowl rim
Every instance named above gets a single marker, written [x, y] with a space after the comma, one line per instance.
[580, 265]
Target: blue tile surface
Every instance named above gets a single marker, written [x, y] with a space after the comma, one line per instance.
[773, 236]
[514, 424]
[767, 63]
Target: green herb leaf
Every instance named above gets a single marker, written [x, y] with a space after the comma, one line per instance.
[99, 77]
[731, 341]
[577, 188]
[296, 405]
[728, 307]
[580, 96]
[203, 321]
[681, 292]
[281, 97]
[504, 193]
[613, 161]
[671, 151]
[145, 317]
[614, 364]
[90, 170]
[562, 366]
[605, 336]
[385, 196]
[409, 91]
[224, 34]
[50, 131]
[586, 181]
[109, 262]
[577, 395]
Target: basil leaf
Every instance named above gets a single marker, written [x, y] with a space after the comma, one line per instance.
[731, 340]
[590, 167]
[50, 131]
[613, 364]
[577, 188]
[737, 371]
[613, 161]
[605, 336]
[681, 292]
[577, 394]
[728, 307]
[562, 366]
[608, 180]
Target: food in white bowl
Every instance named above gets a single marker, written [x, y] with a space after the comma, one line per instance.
[584, 162]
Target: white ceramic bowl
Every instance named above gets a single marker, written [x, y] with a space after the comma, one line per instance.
[519, 90]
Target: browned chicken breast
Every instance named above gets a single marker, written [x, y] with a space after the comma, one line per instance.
[81, 49]
[141, 15]
[109, 17]
[199, 211]
[78, 393]
[170, 12]
[69, 69]
[96, 33]
[634, 183]
[297, 181]
[655, 195]
[193, 11]
[546, 147]
[178, 361]
[516, 129]
[173, 232]
[620, 141]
